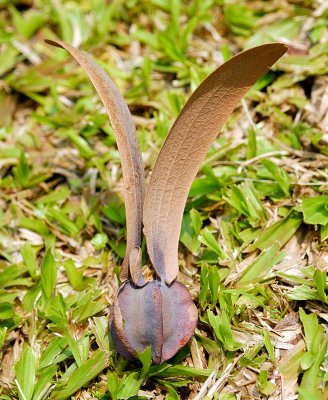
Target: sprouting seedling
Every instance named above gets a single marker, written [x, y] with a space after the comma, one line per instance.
[160, 313]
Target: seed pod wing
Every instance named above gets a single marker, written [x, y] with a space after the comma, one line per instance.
[195, 129]
[124, 129]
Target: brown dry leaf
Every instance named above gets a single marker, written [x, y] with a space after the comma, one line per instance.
[8, 362]
[8, 106]
[318, 111]
[290, 346]
[289, 367]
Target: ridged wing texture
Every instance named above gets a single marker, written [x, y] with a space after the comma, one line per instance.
[124, 129]
[195, 129]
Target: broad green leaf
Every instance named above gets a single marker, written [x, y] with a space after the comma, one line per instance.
[59, 195]
[280, 232]
[240, 18]
[203, 186]
[31, 297]
[278, 174]
[245, 199]
[320, 280]
[308, 394]
[129, 386]
[268, 345]
[303, 292]
[48, 275]
[22, 172]
[29, 259]
[3, 332]
[100, 330]
[99, 241]
[311, 329]
[210, 345]
[251, 357]
[35, 225]
[204, 285]
[196, 221]
[323, 232]
[172, 394]
[74, 275]
[115, 212]
[222, 329]
[262, 264]
[307, 360]
[25, 374]
[317, 344]
[184, 371]
[266, 387]
[81, 144]
[315, 210]
[27, 23]
[213, 281]
[286, 27]
[44, 382]
[55, 352]
[146, 359]
[82, 375]
[78, 347]
[88, 307]
[313, 376]
[62, 220]
[251, 149]
[6, 311]
[208, 239]
[113, 384]
[188, 235]
[8, 59]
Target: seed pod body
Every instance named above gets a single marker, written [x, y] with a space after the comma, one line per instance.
[156, 315]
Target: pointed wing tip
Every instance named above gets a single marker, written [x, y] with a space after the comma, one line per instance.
[276, 45]
[62, 45]
[56, 43]
[259, 58]
[275, 49]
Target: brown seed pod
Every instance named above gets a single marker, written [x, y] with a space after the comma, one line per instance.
[157, 315]
[161, 313]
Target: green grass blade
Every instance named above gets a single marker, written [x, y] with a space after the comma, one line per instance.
[262, 265]
[48, 275]
[25, 374]
[82, 375]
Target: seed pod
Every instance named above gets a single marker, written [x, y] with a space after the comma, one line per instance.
[157, 315]
[161, 313]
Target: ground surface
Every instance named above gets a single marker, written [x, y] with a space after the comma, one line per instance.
[254, 238]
